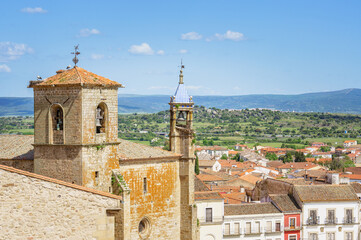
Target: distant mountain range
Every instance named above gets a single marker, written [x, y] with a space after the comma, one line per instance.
[342, 101]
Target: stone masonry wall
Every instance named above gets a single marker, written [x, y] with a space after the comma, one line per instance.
[70, 100]
[33, 208]
[60, 162]
[102, 159]
[160, 204]
[91, 98]
[22, 164]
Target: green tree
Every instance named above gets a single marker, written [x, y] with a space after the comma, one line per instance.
[299, 157]
[196, 165]
[271, 156]
[224, 156]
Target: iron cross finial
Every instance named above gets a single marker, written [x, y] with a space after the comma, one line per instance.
[76, 53]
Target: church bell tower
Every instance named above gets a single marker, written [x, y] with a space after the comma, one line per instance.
[181, 142]
[76, 127]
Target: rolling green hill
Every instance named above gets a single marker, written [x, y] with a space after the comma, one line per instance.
[342, 101]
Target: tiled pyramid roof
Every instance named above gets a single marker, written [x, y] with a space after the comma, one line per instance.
[77, 76]
[181, 95]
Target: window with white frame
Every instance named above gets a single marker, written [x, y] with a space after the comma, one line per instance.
[236, 228]
[227, 229]
[348, 235]
[269, 226]
[292, 237]
[313, 236]
[248, 227]
[330, 236]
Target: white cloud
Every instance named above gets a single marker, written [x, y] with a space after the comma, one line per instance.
[86, 32]
[142, 49]
[183, 51]
[97, 56]
[160, 52]
[11, 51]
[229, 35]
[34, 10]
[191, 36]
[4, 68]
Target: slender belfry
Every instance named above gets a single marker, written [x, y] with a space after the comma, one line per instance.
[181, 142]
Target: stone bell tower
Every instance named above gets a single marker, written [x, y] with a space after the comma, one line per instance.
[76, 127]
[181, 142]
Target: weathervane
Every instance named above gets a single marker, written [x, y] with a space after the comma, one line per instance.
[76, 53]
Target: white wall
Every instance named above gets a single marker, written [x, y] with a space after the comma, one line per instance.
[210, 231]
[322, 228]
[242, 219]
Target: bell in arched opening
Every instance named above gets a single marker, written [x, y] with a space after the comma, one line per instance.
[182, 116]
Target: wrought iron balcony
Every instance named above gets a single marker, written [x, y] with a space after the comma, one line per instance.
[313, 221]
[349, 220]
[331, 221]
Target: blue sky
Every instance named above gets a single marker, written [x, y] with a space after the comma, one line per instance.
[228, 47]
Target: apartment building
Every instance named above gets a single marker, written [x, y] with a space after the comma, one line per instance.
[329, 212]
[253, 221]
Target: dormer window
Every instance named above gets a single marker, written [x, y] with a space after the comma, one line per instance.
[100, 118]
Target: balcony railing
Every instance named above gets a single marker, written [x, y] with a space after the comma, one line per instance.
[313, 221]
[292, 228]
[253, 231]
[331, 221]
[349, 220]
[213, 220]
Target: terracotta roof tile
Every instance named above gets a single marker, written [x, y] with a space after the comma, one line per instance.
[16, 147]
[285, 203]
[77, 76]
[323, 193]
[209, 178]
[250, 209]
[356, 186]
[199, 186]
[207, 196]
[53, 180]
[234, 197]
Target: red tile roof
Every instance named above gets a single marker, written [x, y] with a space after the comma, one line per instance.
[77, 76]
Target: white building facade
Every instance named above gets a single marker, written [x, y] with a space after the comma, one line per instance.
[210, 212]
[261, 221]
[329, 212]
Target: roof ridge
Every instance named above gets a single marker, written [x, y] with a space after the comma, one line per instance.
[60, 182]
[81, 79]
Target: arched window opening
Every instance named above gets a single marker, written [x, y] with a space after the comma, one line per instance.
[100, 121]
[57, 117]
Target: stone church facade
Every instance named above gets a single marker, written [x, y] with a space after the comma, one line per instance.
[148, 192]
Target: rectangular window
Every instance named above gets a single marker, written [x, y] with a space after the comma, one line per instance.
[313, 217]
[227, 229]
[145, 189]
[330, 236]
[278, 226]
[292, 237]
[258, 227]
[248, 228]
[292, 223]
[208, 214]
[313, 236]
[348, 216]
[96, 175]
[330, 216]
[349, 236]
[269, 226]
[236, 228]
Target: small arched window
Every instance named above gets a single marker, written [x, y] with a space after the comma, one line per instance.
[101, 118]
[57, 122]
